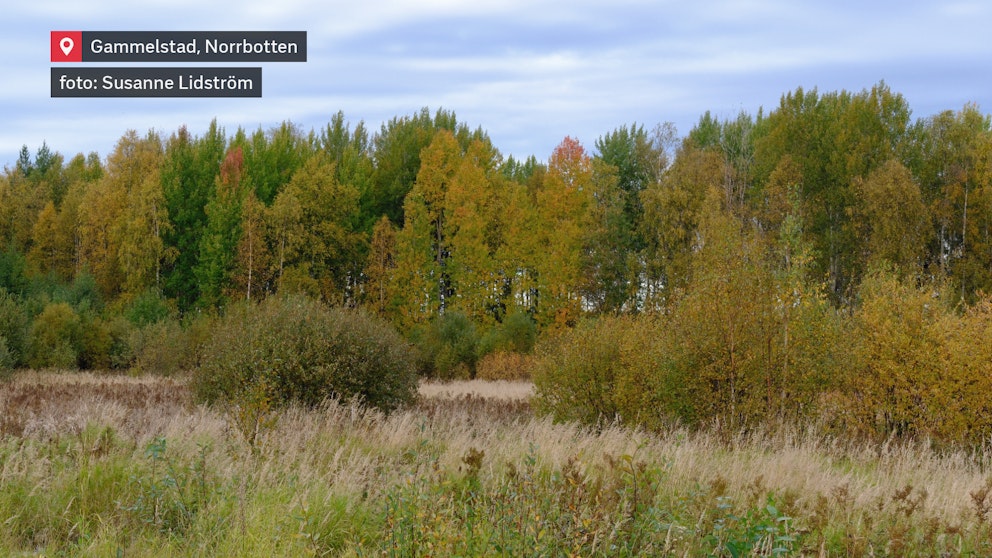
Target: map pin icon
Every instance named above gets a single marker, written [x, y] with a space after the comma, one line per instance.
[66, 44]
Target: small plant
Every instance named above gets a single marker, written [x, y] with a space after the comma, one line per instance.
[169, 497]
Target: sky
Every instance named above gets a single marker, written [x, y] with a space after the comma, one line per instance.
[527, 72]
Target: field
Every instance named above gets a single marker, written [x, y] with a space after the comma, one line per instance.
[95, 465]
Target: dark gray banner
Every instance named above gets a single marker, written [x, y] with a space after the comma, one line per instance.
[194, 46]
[156, 82]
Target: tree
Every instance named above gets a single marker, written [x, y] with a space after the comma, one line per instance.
[950, 156]
[123, 217]
[325, 243]
[562, 206]
[189, 172]
[252, 265]
[144, 217]
[52, 247]
[610, 266]
[613, 261]
[379, 291]
[473, 206]
[894, 222]
[671, 218]
[219, 242]
[834, 139]
[423, 243]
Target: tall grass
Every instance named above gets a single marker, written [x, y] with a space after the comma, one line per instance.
[96, 465]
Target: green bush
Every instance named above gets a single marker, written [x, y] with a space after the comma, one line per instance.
[95, 342]
[517, 333]
[148, 308]
[449, 347]
[55, 338]
[296, 350]
[6, 358]
[14, 325]
[159, 348]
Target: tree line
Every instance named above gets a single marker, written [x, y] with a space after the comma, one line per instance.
[425, 217]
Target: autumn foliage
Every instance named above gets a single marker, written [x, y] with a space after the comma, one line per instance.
[767, 268]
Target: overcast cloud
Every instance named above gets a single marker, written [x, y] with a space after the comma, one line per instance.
[529, 73]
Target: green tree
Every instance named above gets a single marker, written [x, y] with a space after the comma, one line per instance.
[615, 249]
[325, 243]
[218, 245]
[189, 172]
[834, 139]
[950, 156]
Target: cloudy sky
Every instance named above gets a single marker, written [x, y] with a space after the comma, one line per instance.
[529, 72]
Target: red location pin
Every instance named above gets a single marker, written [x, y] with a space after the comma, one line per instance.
[67, 46]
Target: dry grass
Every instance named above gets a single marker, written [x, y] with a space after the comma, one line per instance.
[360, 453]
[501, 390]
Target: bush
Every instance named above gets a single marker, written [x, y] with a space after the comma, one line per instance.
[296, 350]
[159, 348]
[148, 308]
[608, 369]
[503, 365]
[917, 368]
[13, 327]
[517, 333]
[54, 339]
[449, 347]
[95, 342]
[6, 358]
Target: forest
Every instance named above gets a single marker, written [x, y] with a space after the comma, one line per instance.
[828, 259]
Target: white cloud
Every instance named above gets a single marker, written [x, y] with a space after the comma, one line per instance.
[529, 72]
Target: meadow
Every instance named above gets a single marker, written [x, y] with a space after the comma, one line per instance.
[112, 465]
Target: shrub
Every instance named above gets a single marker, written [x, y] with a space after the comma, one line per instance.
[6, 358]
[95, 342]
[148, 308]
[54, 338]
[296, 350]
[607, 369]
[13, 327]
[517, 333]
[448, 347]
[918, 368]
[159, 348]
[503, 365]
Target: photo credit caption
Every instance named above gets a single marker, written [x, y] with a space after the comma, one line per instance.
[156, 82]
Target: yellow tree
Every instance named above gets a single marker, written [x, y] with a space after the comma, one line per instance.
[252, 265]
[472, 206]
[133, 170]
[672, 211]
[423, 244]
[562, 212]
[52, 246]
[379, 268]
[893, 220]
[321, 247]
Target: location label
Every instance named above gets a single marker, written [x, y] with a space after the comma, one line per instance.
[67, 46]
